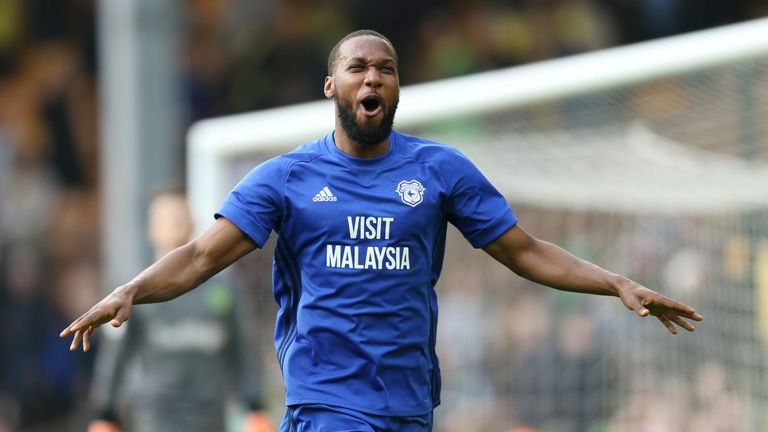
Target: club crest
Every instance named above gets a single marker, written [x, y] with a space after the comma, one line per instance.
[411, 192]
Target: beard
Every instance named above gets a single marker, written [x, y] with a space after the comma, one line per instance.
[365, 135]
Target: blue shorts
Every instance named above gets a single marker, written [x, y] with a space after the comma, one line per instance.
[327, 418]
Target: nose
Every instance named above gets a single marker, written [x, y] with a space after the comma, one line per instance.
[372, 77]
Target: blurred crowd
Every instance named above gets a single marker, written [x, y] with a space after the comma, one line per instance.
[526, 359]
[237, 55]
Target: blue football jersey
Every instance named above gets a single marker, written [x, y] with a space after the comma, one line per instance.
[359, 251]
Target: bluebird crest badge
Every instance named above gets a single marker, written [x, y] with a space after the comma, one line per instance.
[411, 192]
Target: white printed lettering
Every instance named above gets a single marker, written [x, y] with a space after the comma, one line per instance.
[370, 225]
[379, 256]
[353, 227]
[375, 257]
[333, 256]
[391, 264]
[357, 259]
[387, 222]
[370, 258]
[346, 260]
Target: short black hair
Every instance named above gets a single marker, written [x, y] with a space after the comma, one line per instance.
[333, 57]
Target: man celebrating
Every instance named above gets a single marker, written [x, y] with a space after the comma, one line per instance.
[361, 217]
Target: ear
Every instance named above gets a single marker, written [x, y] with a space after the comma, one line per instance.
[328, 87]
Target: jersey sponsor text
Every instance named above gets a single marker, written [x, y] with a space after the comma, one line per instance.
[373, 257]
[368, 257]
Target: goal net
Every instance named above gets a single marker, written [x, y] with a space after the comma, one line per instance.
[650, 160]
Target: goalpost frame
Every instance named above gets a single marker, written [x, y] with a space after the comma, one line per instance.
[212, 143]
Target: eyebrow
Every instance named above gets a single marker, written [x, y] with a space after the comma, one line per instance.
[365, 60]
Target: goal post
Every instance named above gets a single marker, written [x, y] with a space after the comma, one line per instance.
[650, 160]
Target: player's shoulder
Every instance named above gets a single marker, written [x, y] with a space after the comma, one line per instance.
[429, 151]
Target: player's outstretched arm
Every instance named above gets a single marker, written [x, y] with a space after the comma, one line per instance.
[174, 274]
[548, 264]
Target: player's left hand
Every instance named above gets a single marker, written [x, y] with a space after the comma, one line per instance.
[114, 308]
[645, 301]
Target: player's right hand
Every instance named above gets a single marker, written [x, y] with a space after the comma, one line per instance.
[114, 308]
[103, 426]
[257, 421]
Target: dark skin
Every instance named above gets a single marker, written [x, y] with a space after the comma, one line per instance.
[549, 265]
[367, 67]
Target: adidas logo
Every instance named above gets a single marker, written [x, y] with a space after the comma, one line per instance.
[325, 194]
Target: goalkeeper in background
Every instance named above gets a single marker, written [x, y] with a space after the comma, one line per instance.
[177, 362]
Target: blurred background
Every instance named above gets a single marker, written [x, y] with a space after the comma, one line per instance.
[95, 101]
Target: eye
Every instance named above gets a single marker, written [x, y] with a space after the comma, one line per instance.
[356, 67]
[387, 69]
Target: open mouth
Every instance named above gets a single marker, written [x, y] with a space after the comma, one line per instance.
[371, 104]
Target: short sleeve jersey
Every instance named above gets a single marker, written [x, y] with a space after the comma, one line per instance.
[359, 251]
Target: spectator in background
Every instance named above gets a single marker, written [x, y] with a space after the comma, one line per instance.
[31, 193]
[282, 65]
[581, 394]
[186, 354]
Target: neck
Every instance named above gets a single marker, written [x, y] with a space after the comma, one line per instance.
[355, 149]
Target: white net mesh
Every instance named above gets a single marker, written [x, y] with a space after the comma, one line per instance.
[665, 180]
